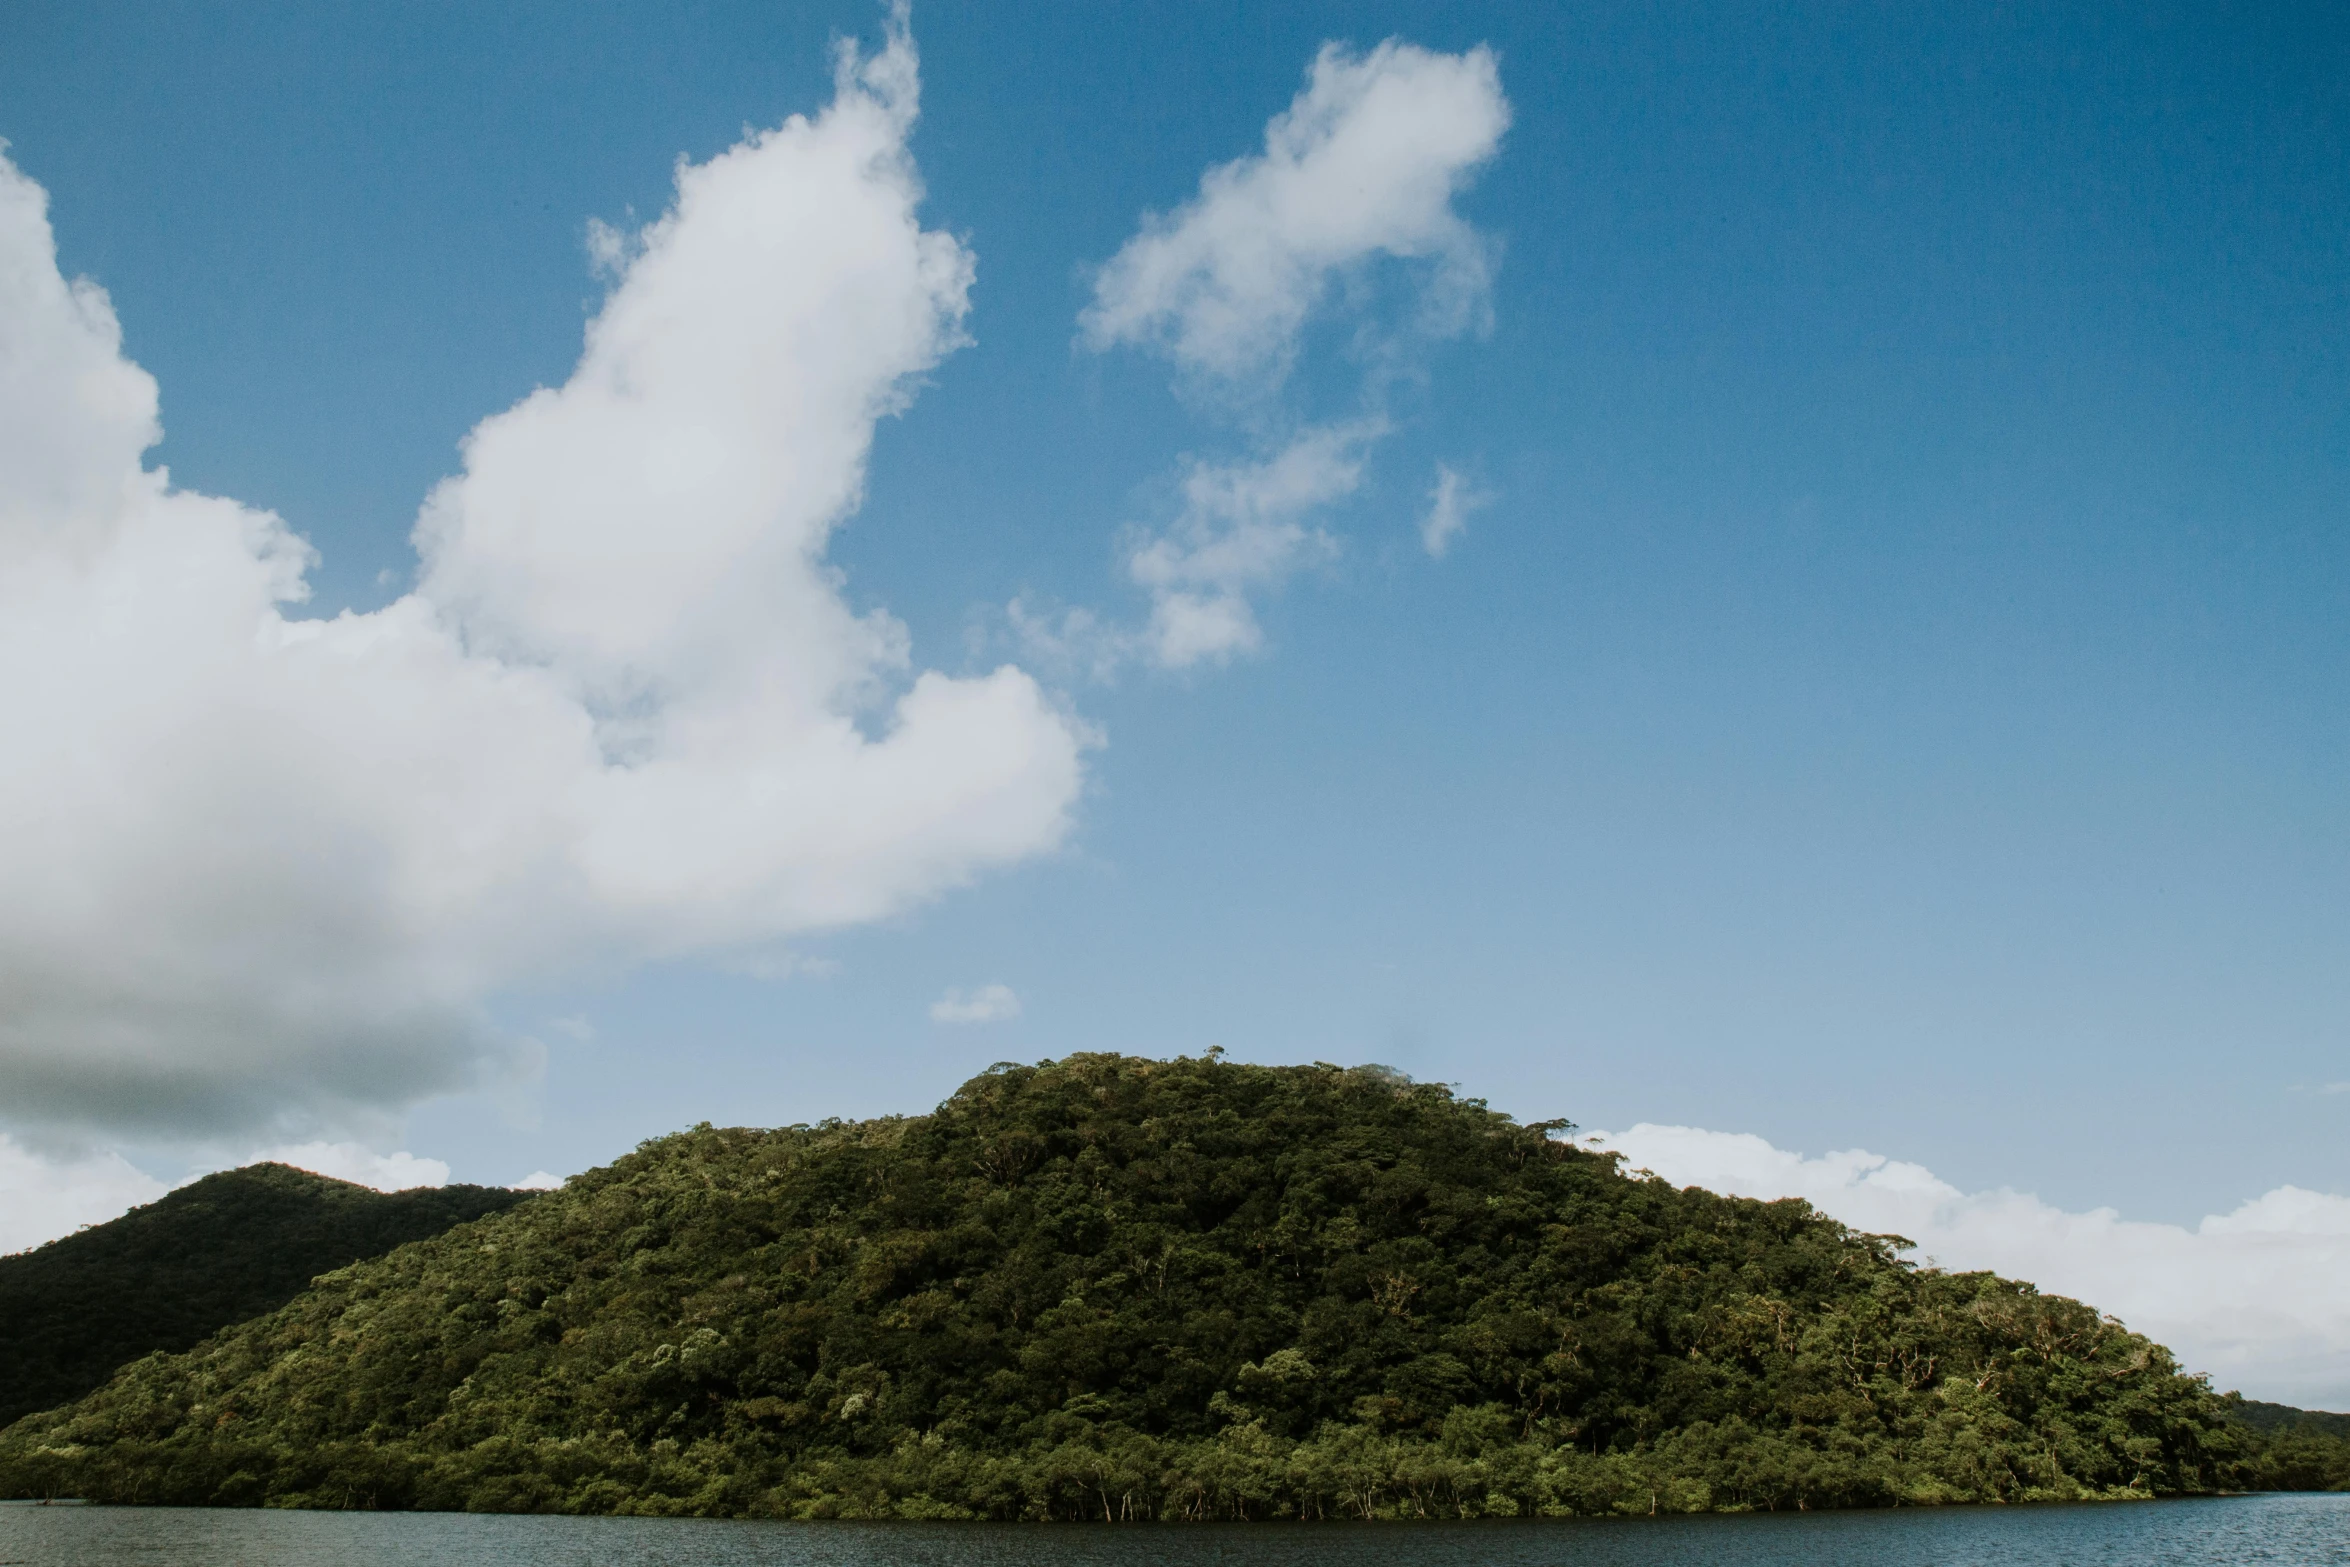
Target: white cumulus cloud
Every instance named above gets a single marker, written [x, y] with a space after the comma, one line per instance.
[987, 1004]
[1360, 171]
[2259, 1297]
[259, 872]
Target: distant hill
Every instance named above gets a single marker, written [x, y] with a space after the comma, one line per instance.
[2294, 1449]
[2281, 1417]
[1115, 1288]
[171, 1274]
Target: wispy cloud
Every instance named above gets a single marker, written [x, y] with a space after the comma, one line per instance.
[1364, 163]
[1450, 505]
[987, 1004]
[1361, 170]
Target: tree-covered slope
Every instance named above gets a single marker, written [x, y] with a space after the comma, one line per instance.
[171, 1274]
[1126, 1288]
[2284, 1417]
[2294, 1449]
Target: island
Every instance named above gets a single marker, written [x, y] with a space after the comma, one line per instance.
[1115, 1288]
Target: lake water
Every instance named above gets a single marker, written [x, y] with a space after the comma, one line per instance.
[2292, 1530]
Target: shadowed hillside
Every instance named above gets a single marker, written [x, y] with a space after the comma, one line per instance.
[2284, 1417]
[2295, 1449]
[173, 1273]
[1110, 1287]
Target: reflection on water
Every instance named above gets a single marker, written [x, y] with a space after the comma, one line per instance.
[2291, 1531]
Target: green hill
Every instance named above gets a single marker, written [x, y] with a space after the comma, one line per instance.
[1109, 1287]
[171, 1274]
[2284, 1417]
[2295, 1449]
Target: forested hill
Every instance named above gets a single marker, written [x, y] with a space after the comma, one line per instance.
[2296, 1449]
[171, 1274]
[2284, 1417]
[1110, 1287]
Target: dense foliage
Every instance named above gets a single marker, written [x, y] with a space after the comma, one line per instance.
[173, 1273]
[1109, 1287]
[2294, 1449]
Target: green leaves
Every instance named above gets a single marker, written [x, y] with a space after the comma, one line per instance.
[1115, 1288]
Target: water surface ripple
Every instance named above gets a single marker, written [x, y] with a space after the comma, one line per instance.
[2301, 1531]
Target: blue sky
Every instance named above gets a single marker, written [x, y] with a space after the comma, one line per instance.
[1892, 694]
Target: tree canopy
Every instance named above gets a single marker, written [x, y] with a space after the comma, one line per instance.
[1124, 1288]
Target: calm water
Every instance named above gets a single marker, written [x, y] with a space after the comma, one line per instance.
[2229, 1531]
